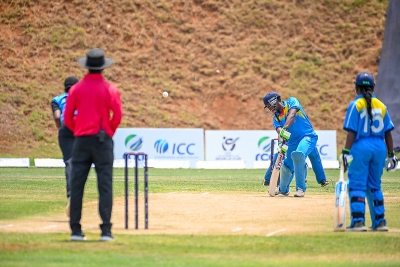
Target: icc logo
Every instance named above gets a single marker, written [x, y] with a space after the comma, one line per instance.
[161, 147]
[320, 149]
[229, 144]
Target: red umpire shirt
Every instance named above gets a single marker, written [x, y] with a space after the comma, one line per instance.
[83, 113]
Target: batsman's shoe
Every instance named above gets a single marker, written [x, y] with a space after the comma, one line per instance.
[277, 192]
[78, 237]
[300, 193]
[357, 227]
[324, 183]
[68, 208]
[381, 227]
[266, 182]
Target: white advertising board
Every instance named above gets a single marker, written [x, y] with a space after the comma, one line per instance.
[161, 143]
[252, 146]
[327, 145]
[14, 162]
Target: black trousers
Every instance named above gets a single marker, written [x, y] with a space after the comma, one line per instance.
[88, 150]
[66, 141]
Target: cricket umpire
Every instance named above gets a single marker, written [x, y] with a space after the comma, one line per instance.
[93, 112]
[65, 135]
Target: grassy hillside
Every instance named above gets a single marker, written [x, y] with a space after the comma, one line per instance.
[216, 58]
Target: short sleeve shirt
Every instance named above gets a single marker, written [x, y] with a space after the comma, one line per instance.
[301, 127]
[358, 121]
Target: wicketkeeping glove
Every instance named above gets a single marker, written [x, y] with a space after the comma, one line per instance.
[391, 162]
[284, 134]
[346, 158]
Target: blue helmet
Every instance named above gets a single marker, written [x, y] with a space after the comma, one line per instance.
[270, 103]
[365, 79]
[271, 98]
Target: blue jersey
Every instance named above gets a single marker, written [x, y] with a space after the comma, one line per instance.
[358, 121]
[301, 126]
[60, 100]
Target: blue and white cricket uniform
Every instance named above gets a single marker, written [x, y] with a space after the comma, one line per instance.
[60, 100]
[65, 138]
[303, 139]
[369, 154]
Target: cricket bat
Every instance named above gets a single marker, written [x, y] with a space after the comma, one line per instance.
[339, 214]
[273, 182]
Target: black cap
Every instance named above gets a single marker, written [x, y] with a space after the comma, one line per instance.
[71, 80]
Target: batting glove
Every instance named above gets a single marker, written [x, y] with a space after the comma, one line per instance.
[283, 148]
[284, 134]
[346, 158]
[391, 162]
[281, 142]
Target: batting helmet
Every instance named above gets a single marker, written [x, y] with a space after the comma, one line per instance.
[270, 102]
[271, 98]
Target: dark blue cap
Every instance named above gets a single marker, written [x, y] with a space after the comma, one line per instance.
[270, 98]
[68, 82]
[365, 79]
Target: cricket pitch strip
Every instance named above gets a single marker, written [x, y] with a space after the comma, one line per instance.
[204, 213]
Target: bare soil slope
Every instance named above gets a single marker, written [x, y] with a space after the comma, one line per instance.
[217, 59]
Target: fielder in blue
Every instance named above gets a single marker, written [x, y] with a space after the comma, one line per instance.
[295, 130]
[368, 142]
[65, 135]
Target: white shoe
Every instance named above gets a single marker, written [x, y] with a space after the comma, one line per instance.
[68, 208]
[299, 193]
[107, 238]
[277, 192]
[78, 237]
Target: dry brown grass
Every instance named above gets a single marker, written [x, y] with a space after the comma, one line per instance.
[305, 48]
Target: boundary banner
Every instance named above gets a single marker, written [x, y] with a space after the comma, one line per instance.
[255, 145]
[14, 162]
[161, 143]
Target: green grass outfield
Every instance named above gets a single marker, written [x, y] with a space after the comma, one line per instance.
[28, 192]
